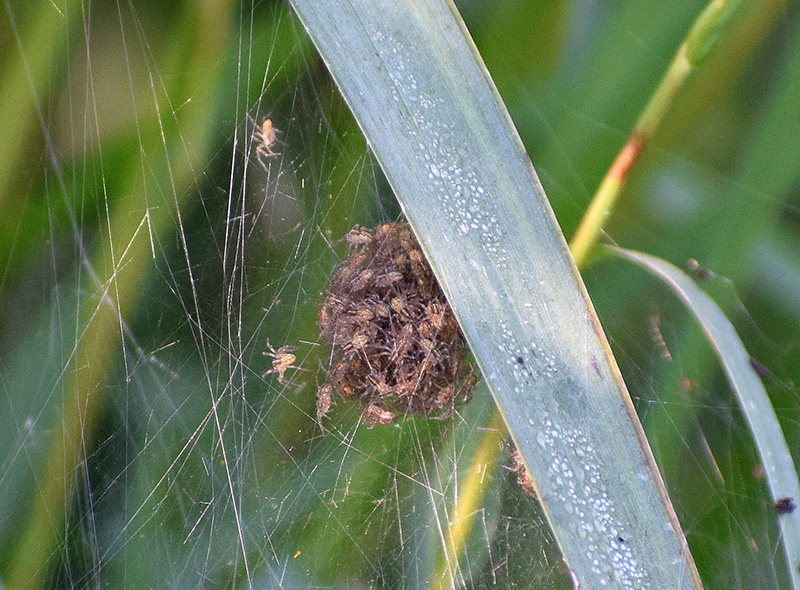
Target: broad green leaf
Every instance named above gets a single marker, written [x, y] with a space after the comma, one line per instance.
[427, 107]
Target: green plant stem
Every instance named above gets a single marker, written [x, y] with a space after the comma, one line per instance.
[690, 54]
[123, 263]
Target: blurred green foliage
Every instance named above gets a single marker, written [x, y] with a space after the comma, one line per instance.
[128, 176]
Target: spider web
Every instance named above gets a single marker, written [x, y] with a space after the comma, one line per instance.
[144, 199]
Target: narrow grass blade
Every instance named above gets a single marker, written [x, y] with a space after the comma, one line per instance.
[412, 77]
[772, 448]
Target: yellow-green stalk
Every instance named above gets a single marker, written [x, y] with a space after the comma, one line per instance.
[692, 52]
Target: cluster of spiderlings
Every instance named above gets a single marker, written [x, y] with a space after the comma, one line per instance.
[396, 346]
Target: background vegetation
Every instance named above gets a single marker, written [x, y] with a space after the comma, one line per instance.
[148, 258]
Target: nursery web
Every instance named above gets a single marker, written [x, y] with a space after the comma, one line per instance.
[232, 180]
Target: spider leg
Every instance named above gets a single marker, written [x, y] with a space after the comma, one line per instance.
[263, 152]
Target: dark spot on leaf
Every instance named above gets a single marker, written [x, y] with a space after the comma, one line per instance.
[758, 367]
[596, 367]
[785, 506]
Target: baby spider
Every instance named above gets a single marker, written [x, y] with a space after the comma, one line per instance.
[376, 414]
[358, 237]
[265, 136]
[282, 361]
[324, 401]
